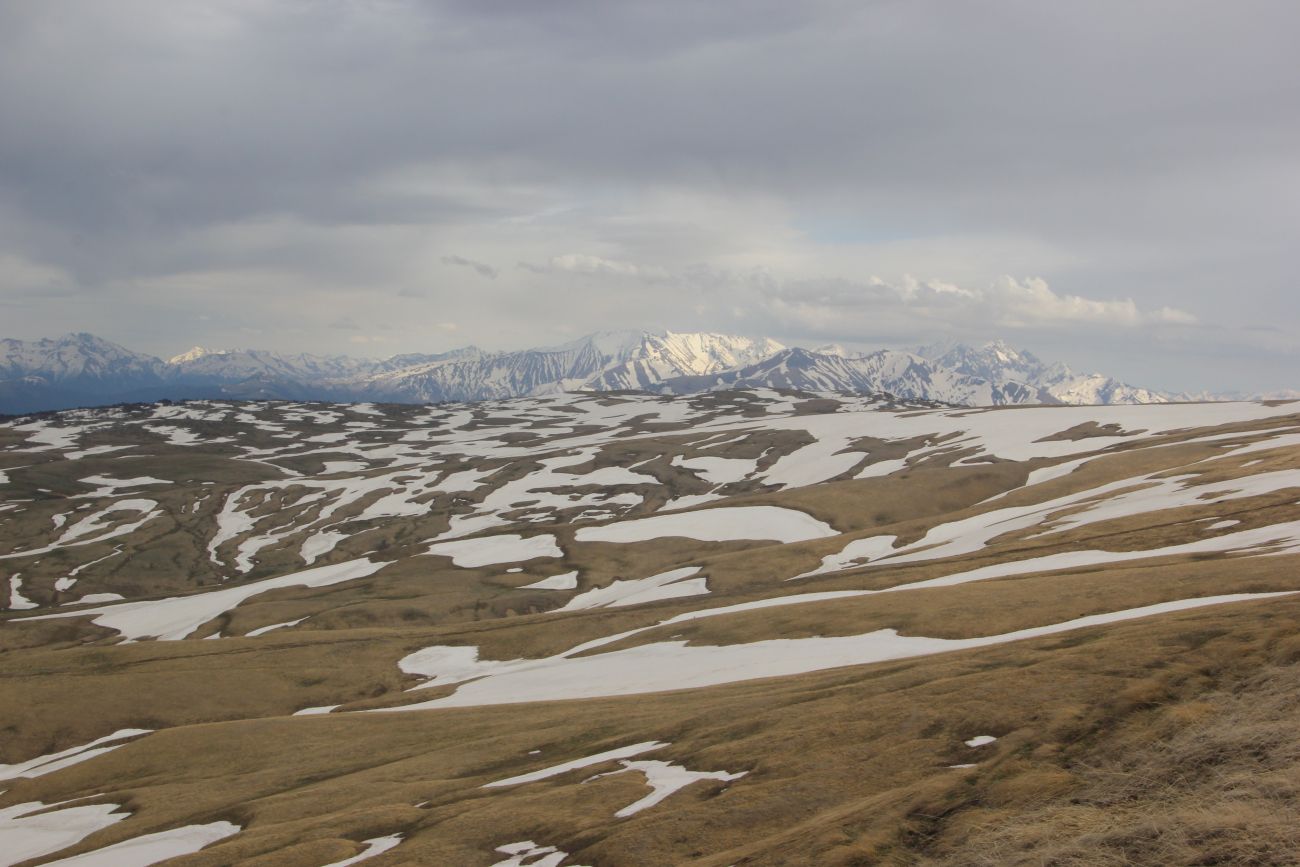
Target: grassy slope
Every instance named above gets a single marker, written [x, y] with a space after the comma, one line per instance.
[1156, 741]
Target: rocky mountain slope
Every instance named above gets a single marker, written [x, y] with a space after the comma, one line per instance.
[1000, 364]
[80, 369]
[886, 371]
[736, 627]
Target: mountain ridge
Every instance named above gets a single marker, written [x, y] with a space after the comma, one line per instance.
[81, 369]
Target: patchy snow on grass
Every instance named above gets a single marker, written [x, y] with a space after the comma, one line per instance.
[980, 741]
[176, 617]
[491, 550]
[98, 523]
[94, 450]
[34, 829]
[180, 436]
[566, 581]
[331, 468]
[689, 501]
[882, 468]
[1282, 537]
[319, 544]
[673, 665]
[812, 464]
[97, 599]
[714, 525]
[109, 487]
[718, 471]
[856, 553]
[374, 846]
[47, 437]
[51, 762]
[262, 630]
[316, 711]
[575, 764]
[17, 601]
[664, 779]
[152, 848]
[665, 585]
[95, 522]
[526, 853]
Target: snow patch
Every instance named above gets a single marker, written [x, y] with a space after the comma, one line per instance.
[152, 848]
[714, 525]
[490, 550]
[374, 846]
[575, 764]
[664, 779]
[665, 585]
[567, 581]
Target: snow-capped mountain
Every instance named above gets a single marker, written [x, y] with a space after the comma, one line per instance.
[659, 357]
[483, 375]
[203, 365]
[1001, 364]
[902, 374]
[80, 369]
[75, 358]
[73, 370]
[604, 361]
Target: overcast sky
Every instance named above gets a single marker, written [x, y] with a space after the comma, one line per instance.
[1114, 184]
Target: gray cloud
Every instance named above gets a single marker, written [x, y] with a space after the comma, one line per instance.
[282, 166]
[481, 268]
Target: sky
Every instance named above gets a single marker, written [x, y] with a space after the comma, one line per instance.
[1113, 184]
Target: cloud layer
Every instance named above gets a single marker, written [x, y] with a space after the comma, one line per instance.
[509, 173]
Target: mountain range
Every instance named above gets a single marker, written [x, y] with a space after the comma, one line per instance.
[84, 370]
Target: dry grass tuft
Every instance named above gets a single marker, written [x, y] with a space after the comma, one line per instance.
[1214, 779]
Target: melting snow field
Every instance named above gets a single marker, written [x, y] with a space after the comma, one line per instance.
[673, 665]
[526, 853]
[48, 764]
[715, 525]
[565, 581]
[34, 829]
[664, 779]
[374, 846]
[575, 764]
[491, 550]
[177, 617]
[553, 484]
[96, 527]
[666, 585]
[152, 848]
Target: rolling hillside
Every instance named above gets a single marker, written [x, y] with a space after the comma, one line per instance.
[753, 626]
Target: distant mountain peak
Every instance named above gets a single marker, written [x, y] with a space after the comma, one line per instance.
[81, 369]
[193, 354]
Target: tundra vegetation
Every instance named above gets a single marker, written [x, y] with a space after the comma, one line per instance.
[742, 627]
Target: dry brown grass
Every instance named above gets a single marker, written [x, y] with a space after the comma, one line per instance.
[1169, 740]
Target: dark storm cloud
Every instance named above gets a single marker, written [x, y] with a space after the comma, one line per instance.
[667, 162]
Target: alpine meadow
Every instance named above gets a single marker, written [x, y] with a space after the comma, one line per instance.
[630, 434]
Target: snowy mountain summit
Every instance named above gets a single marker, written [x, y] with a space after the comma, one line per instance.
[81, 369]
[999, 363]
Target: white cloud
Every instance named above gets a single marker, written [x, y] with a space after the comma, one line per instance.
[578, 263]
[1007, 302]
[1032, 301]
